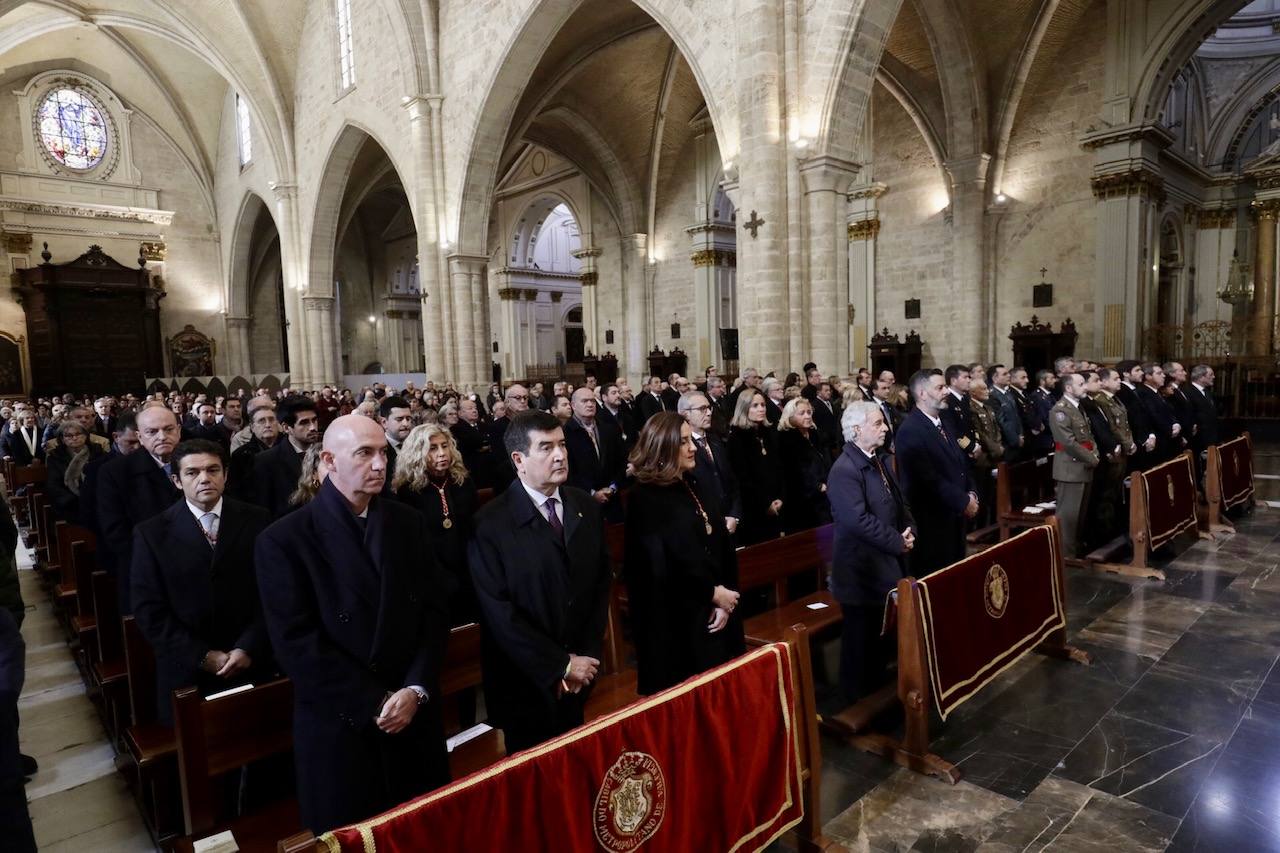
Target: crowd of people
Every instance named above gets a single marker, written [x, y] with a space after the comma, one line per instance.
[335, 537]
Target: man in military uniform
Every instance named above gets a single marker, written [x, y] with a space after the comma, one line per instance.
[986, 422]
[1075, 456]
[1042, 402]
[1108, 482]
[955, 412]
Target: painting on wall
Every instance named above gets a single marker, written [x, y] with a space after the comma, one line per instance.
[11, 365]
[191, 353]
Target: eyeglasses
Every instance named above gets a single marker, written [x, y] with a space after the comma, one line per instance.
[522, 397]
[699, 408]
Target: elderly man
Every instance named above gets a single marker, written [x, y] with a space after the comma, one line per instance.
[355, 607]
[132, 489]
[515, 400]
[873, 536]
[712, 467]
[22, 445]
[935, 478]
[651, 400]
[597, 464]
[542, 576]
[247, 433]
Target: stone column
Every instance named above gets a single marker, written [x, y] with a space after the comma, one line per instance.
[321, 366]
[529, 351]
[508, 325]
[293, 271]
[634, 306]
[825, 327]
[1262, 332]
[862, 230]
[424, 112]
[759, 174]
[968, 298]
[713, 274]
[588, 276]
[468, 283]
[239, 353]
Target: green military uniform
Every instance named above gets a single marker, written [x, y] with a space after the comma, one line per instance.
[1074, 458]
[987, 427]
[1108, 481]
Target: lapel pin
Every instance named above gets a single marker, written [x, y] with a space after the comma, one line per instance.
[579, 515]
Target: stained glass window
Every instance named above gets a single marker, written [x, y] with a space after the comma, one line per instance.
[242, 129]
[346, 57]
[73, 129]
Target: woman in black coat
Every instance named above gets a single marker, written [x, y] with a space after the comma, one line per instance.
[431, 478]
[753, 451]
[66, 469]
[805, 465]
[680, 566]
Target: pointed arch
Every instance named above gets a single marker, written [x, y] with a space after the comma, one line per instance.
[249, 214]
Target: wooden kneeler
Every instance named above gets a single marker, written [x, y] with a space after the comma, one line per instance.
[1178, 475]
[1228, 480]
[912, 691]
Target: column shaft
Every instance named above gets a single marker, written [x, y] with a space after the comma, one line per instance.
[1262, 321]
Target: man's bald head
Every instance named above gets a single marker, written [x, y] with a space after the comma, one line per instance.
[355, 450]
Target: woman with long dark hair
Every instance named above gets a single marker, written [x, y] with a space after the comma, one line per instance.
[680, 566]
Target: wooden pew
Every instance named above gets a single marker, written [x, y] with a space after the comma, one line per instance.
[913, 688]
[1023, 484]
[84, 624]
[1172, 481]
[33, 477]
[771, 564]
[1228, 484]
[218, 736]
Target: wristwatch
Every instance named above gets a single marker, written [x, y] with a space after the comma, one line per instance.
[421, 694]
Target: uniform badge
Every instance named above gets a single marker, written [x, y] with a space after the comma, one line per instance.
[631, 803]
[1060, 417]
[995, 592]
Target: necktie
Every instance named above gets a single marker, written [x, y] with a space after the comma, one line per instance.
[209, 522]
[888, 490]
[552, 518]
[595, 442]
[705, 448]
[168, 470]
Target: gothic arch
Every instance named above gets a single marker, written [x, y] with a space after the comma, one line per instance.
[252, 209]
[543, 20]
[334, 181]
[848, 94]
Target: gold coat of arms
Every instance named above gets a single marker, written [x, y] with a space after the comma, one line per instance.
[631, 803]
[995, 592]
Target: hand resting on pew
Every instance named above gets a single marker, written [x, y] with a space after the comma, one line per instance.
[226, 664]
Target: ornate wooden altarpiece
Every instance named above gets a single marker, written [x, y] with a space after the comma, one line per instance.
[902, 357]
[603, 367]
[93, 324]
[663, 364]
[1035, 346]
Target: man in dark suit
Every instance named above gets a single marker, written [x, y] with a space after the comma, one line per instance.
[711, 464]
[873, 538]
[1175, 394]
[23, 445]
[596, 461]
[276, 471]
[935, 478]
[104, 422]
[132, 489]
[502, 474]
[1160, 415]
[676, 385]
[355, 607]
[1043, 400]
[1144, 436]
[721, 407]
[397, 422]
[826, 417]
[956, 413]
[195, 594]
[651, 401]
[123, 442]
[892, 419]
[207, 426]
[473, 444]
[613, 409]
[542, 576]
[1204, 410]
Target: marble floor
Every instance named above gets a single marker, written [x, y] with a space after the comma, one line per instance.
[77, 800]
[1170, 740]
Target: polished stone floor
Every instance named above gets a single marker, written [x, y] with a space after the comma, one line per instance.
[1170, 740]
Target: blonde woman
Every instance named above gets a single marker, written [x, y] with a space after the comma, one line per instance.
[753, 452]
[313, 473]
[805, 465]
[431, 478]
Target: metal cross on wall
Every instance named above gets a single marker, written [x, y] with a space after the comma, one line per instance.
[753, 224]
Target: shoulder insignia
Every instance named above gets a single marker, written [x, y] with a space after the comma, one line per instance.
[1060, 416]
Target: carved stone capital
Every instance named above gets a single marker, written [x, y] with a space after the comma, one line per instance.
[1268, 208]
[17, 243]
[152, 251]
[1216, 218]
[714, 258]
[1140, 182]
[864, 229]
[317, 303]
[530, 294]
[589, 279]
[556, 296]
[509, 294]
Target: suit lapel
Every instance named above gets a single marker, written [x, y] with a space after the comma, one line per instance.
[572, 519]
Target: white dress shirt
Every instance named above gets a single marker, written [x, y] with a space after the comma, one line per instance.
[540, 501]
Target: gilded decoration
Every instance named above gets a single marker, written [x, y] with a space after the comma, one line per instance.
[864, 229]
[152, 251]
[509, 294]
[1266, 208]
[1139, 182]
[1219, 218]
[589, 279]
[714, 258]
[191, 353]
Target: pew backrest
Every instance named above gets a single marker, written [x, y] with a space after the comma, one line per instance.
[141, 662]
[216, 736]
[770, 564]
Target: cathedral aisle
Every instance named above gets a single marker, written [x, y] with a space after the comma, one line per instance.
[1167, 742]
[77, 799]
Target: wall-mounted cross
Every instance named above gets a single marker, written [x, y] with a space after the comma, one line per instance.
[1043, 270]
[753, 224]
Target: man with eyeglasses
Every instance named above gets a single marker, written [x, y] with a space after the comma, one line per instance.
[516, 400]
[711, 462]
